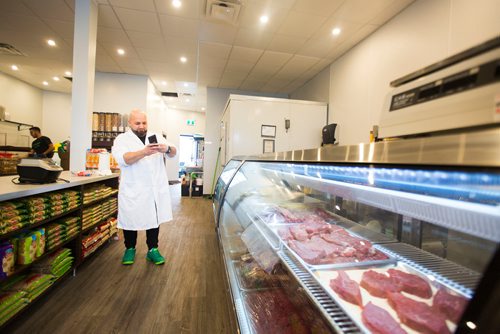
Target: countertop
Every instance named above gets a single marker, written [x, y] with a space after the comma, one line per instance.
[9, 190]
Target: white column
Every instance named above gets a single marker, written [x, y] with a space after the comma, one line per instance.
[84, 46]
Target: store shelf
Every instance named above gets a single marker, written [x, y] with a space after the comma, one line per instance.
[34, 301]
[43, 222]
[99, 222]
[474, 219]
[22, 268]
[99, 200]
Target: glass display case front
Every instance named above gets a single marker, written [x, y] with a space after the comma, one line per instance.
[319, 247]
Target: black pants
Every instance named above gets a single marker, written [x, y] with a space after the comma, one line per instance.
[151, 238]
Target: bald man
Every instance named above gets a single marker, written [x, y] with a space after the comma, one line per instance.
[144, 195]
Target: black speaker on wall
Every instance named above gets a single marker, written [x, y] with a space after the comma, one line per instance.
[329, 134]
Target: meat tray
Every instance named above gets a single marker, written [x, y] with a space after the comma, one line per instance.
[389, 260]
[354, 311]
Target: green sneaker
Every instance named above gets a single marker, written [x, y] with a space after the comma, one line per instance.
[155, 256]
[129, 256]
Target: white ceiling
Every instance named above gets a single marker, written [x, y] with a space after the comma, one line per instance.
[277, 57]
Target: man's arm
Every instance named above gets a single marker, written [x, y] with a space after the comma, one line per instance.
[163, 148]
[132, 157]
[50, 149]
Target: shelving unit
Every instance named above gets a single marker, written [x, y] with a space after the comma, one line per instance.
[75, 242]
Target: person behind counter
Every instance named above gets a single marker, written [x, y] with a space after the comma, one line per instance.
[42, 146]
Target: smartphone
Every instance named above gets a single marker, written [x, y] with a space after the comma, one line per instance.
[152, 139]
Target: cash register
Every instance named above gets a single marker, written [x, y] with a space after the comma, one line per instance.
[35, 170]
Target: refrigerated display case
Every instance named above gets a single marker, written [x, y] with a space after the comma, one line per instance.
[382, 237]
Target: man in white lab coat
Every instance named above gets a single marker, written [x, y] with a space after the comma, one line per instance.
[144, 196]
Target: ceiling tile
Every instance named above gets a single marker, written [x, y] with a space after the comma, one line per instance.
[116, 36]
[239, 66]
[30, 24]
[255, 85]
[182, 47]
[360, 11]
[236, 76]
[179, 26]
[347, 29]
[281, 4]
[317, 7]
[107, 18]
[217, 33]
[349, 43]
[390, 11]
[109, 68]
[190, 8]
[145, 40]
[296, 66]
[276, 84]
[212, 63]
[318, 47]
[51, 9]
[111, 48]
[245, 54]
[226, 82]
[250, 18]
[156, 55]
[14, 7]
[162, 68]
[271, 61]
[287, 44]
[301, 24]
[63, 28]
[138, 21]
[143, 5]
[251, 39]
[214, 50]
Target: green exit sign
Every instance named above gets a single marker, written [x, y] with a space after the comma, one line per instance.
[190, 122]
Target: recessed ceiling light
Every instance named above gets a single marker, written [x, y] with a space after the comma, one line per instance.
[164, 83]
[183, 59]
[121, 52]
[177, 3]
[336, 31]
[68, 73]
[55, 78]
[202, 108]
[264, 19]
[45, 83]
[51, 42]
[187, 100]
[14, 67]
[185, 84]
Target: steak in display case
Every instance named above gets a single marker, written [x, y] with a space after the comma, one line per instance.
[387, 237]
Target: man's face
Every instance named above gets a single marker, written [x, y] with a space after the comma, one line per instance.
[139, 124]
[33, 133]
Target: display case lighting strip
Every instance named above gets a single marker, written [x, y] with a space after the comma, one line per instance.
[336, 317]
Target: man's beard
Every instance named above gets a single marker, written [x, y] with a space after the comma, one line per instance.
[140, 133]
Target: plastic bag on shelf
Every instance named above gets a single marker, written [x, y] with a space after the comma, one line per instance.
[259, 248]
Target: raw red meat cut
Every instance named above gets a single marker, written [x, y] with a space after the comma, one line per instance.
[411, 284]
[305, 252]
[284, 233]
[378, 284]
[417, 315]
[323, 214]
[346, 240]
[316, 228]
[288, 215]
[347, 288]
[272, 312]
[379, 321]
[450, 305]
[299, 232]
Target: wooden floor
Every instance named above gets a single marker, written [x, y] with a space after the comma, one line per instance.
[186, 295]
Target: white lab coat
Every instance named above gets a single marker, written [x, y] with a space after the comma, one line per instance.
[144, 195]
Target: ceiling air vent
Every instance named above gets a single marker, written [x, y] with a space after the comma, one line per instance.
[169, 94]
[7, 49]
[225, 11]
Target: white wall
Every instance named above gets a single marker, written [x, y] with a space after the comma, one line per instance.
[56, 119]
[316, 89]
[425, 32]
[24, 104]
[216, 100]
[120, 92]
[176, 126]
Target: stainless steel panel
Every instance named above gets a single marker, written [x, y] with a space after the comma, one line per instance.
[478, 148]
